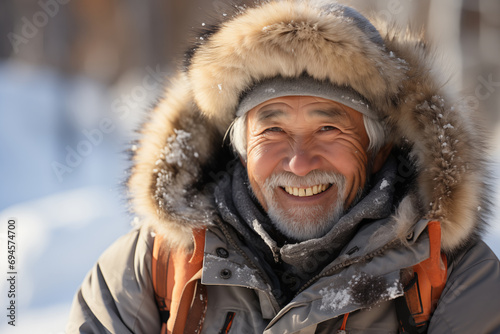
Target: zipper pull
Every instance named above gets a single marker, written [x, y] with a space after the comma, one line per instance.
[342, 330]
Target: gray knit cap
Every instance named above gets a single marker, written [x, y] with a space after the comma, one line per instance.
[302, 86]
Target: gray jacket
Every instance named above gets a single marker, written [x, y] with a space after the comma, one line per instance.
[117, 295]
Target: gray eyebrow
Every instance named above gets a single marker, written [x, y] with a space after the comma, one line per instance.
[329, 112]
[264, 115]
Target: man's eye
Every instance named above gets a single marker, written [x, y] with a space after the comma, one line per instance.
[274, 129]
[328, 128]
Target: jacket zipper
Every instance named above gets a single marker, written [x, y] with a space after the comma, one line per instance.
[227, 323]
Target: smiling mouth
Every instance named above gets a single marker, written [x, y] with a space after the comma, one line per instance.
[305, 192]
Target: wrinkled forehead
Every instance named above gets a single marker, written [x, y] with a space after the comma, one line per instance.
[287, 108]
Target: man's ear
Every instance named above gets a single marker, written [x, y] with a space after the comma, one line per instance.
[381, 157]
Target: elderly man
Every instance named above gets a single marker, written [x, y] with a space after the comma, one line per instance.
[353, 203]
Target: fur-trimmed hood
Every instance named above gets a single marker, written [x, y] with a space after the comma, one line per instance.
[180, 155]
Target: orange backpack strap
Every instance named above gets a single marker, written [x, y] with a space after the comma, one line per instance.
[159, 272]
[422, 293]
[176, 275]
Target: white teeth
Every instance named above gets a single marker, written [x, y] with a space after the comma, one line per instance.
[304, 192]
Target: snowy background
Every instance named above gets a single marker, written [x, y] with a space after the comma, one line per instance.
[65, 81]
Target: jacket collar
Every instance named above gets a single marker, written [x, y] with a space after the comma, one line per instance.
[373, 266]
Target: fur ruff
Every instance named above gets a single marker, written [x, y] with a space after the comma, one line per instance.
[180, 155]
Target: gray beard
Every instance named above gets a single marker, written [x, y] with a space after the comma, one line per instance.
[305, 223]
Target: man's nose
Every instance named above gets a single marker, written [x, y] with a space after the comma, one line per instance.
[302, 161]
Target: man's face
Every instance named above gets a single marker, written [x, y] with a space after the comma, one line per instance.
[306, 162]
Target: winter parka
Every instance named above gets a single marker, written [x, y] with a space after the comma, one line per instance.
[442, 175]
